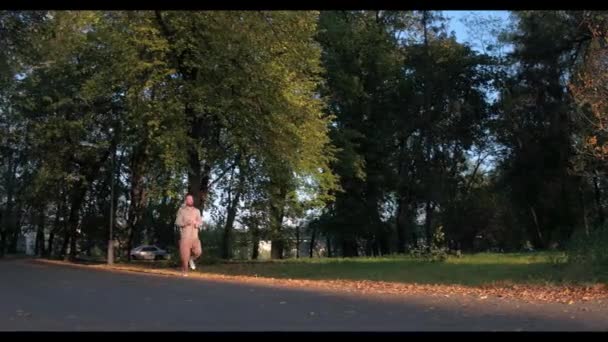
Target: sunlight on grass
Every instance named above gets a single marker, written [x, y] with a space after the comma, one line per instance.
[544, 268]
[475, 269]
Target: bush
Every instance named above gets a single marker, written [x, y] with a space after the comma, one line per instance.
[589, 250]
[434, 254]
[558, 259]
[437, 252]
[211, 240]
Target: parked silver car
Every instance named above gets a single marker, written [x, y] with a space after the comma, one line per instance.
[147, 252]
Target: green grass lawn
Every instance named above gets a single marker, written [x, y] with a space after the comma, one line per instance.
[544, 268]
[475, 269]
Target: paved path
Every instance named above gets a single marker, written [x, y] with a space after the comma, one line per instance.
[36, 296]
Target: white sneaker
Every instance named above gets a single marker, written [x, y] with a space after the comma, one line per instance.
[184, 274]
[192, 265]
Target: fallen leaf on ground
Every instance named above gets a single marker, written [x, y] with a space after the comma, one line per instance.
[526, 292]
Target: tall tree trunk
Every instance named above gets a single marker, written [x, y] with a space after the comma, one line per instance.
[2, 242]
[232, 211]
[313, 236]
[12, 246]
[4, 231]
[297, 242]
[73, 237]
[276, 248]
[138, 199]
[375, 246]
[402, 223]
[403, 191]
[55, 227]
[16, 229]
[64, 246]
[74, 220]
[39, 246]
[49, 246]
[428, 223]
[114, 178]
[429, 122]
[372, 198]
[278, 212]
[66, 233]
[130, 244]
[538, 236]
[227, 234]
[583, 209]
[198, 180]
[349, 248]
[385, 245]
[255, 243]
[369, 247]
[8, 218]
[329, 251]
[598, 201]
[90, 168]
[195, 177]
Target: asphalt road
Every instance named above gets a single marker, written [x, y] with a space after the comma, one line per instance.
[44, 297]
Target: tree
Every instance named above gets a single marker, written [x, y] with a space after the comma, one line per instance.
[18, 34]
[409, 103]
[248, 81]
[587, 87]
[363, 66]
[536, 124]
[444, 115]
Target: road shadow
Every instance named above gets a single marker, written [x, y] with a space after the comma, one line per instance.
[89, 299]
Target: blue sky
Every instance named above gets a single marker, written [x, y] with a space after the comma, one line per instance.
[456, 25]
[462, 36]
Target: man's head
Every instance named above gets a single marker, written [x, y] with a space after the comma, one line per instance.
[189, 200]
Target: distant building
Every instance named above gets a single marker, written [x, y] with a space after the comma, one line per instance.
[319, 250]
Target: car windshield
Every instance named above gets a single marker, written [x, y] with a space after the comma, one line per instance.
[149, 249]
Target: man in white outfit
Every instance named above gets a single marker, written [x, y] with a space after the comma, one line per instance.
[189, 221]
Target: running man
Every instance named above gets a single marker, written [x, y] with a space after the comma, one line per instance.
[189, 221]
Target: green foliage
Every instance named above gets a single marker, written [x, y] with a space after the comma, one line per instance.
[589, 249]
[363, 121]
[212, 241]
[535, 124]
[407, 110]
[437, 252]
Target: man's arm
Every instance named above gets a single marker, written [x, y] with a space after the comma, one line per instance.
[179, 220]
